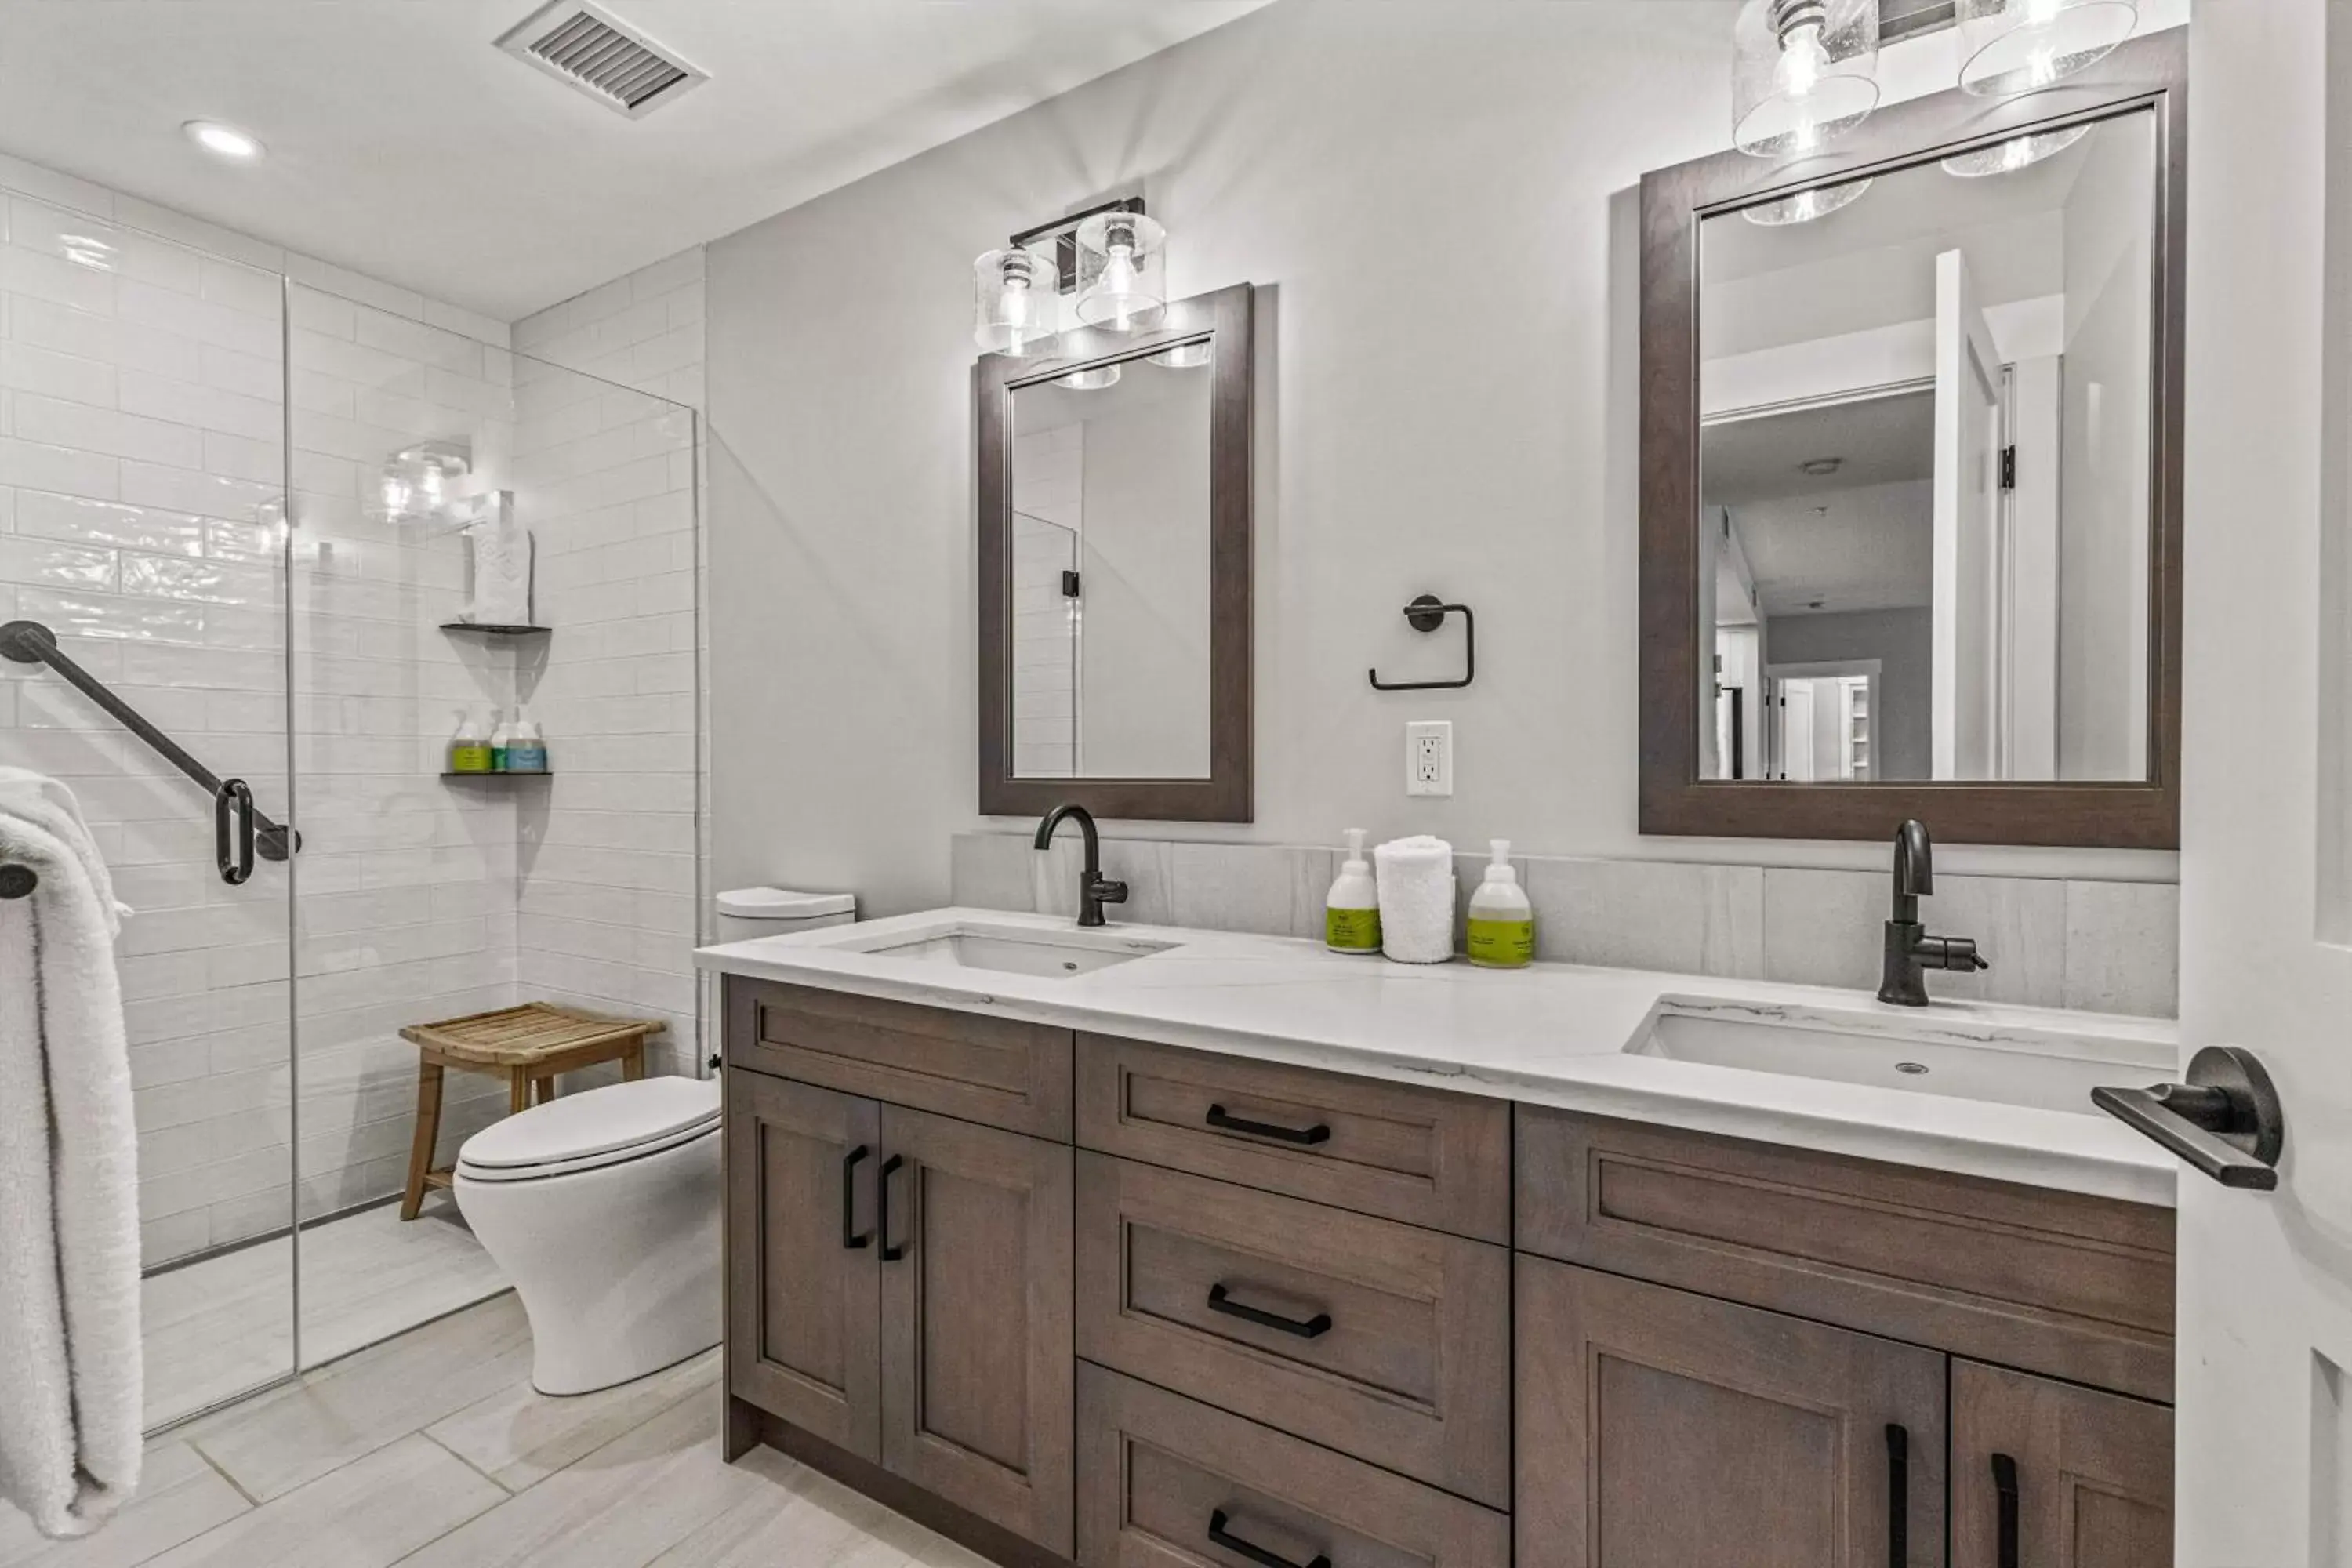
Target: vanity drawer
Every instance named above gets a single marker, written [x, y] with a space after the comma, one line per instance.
[2062, 1283]
[991, 1070]
[1386, 1341]
[1158, 1473]
[1420, 1155]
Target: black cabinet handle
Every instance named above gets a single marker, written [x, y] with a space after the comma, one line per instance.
[2004, 1485]
[1311, 1328]
[1250, 1550]
[849, 1236]
[1898, 1496]
[2226, 1120]
[1315, 1134]
[882, 1208]
[234, 871]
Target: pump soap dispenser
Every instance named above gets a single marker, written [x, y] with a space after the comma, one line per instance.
[1502, 921]
[1351, 915]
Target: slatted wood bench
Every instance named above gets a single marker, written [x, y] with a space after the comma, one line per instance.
[528, 1046]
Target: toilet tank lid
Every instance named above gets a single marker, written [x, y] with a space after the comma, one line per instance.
[784, 904]
[599, 1121]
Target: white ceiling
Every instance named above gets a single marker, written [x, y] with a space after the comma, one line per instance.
[403, 145]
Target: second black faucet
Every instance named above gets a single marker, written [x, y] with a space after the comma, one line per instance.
[1910, 951]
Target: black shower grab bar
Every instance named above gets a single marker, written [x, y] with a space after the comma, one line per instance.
[29, 642]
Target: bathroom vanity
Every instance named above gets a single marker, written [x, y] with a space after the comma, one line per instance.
[1154, 1246]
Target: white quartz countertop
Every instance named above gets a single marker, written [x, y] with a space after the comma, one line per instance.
[1551, 1034]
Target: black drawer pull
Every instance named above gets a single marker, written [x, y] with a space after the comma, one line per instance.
[882, 1208]
[1316, 1134]
[2004, 1485]
[1898, 1496]
[1311, 1328]
[1256, 1554]
[849, 1236]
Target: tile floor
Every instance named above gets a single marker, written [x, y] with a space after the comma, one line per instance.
[216, 1328]
[431, 1449]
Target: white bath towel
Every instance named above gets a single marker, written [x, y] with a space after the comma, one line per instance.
[49, 806]
[70, 1374]
[1415, 877]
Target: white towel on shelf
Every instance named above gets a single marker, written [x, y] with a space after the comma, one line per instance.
[70, 1377]
[1415, 877]
[502, 552]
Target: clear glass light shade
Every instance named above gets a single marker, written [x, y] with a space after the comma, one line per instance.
[1122, 272]
[1185, 356]
[1016, 306]
[2017, 152]
[418, 484]
[1803, 71]
[2017, 46]
[1805, 205]
[1094, 378]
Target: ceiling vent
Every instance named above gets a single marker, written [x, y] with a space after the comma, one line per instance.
[588, 48]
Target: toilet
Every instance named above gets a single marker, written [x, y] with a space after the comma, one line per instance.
[748, 912]
[603, 1208]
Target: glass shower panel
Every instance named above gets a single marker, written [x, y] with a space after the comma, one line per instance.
[430, 896]
[140, 483]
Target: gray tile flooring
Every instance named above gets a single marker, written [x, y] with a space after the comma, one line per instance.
[431, 1449]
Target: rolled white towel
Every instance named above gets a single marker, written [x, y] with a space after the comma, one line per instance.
[1416, 888]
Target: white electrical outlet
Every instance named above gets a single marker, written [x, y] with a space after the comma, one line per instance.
[1429, 757]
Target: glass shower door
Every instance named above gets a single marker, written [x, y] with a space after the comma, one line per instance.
[142, 562]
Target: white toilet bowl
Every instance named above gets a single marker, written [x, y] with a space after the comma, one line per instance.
[603, 1208]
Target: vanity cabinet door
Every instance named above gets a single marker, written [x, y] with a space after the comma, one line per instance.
[1659, 1429]
[2051, 1476]
[977, 1351]
[804, 1286]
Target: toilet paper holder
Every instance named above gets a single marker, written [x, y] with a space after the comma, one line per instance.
[1426, 613]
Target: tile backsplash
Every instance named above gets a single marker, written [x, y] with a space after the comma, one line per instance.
[2110, 947]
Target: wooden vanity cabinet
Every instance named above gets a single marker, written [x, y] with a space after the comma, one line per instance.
[2045, 1473]
[1661, 1429]
[910, 1304]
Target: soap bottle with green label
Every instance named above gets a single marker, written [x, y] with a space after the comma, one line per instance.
[469, 748]
[1351, 915]
[1502, 921]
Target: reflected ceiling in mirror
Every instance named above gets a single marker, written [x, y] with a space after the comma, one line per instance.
[1925, 467]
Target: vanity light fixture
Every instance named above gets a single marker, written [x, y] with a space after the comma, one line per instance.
[1802, 72]
[2018, 46]
[1111, 258]
[1122, 272]
[2017, 152]
[1805, 205]
[1094, 378]
[223, 140]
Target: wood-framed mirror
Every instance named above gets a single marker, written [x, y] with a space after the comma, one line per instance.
[1114, 564]
[1911, 466]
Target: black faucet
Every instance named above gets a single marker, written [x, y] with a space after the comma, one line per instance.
[1094, 892]
[1910, 951]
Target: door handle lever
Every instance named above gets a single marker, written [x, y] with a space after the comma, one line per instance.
[2226, 1120]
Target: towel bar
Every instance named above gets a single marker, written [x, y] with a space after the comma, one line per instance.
[18, 881]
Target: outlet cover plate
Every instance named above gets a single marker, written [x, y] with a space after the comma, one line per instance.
[1429, 757]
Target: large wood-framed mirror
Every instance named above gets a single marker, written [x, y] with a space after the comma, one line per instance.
[1115, 550]
[1911, 463]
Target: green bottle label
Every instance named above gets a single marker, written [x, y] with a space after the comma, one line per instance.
[1352, 931]
[1502, 945]
[469, 759]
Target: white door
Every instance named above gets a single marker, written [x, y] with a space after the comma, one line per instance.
[2264, 1429]
[1967, 521]
[1795, 730]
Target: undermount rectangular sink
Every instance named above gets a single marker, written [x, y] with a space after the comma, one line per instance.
[1020, 951]
[2044, 1078]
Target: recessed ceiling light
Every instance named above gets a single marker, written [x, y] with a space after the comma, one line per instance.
[223, 140]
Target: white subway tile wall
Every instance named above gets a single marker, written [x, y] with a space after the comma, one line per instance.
[611, 897]
[142, 467]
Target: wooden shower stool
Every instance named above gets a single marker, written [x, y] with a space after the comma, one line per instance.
[530, 1044]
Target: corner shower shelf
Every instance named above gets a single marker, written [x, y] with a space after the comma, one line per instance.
[490, 629]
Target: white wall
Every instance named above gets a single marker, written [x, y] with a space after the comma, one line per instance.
[1900, 640]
